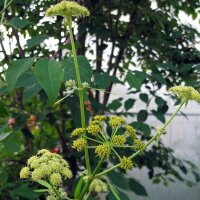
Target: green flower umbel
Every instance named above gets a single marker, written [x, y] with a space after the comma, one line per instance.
[67, 9]
[186, 93]
[48, 166]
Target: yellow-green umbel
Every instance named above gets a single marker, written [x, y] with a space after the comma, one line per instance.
[79, 144]
[98, 185]
[119, 140]
[186, 93]
[78, 131]
[103, 150]
[126, 163]
[115, 121]
[67, 9]
[48, 166]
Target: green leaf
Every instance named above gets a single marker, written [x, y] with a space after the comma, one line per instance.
[18, 23]
[50, 76]
[36, 40]
[44, 183]
[121, 195]
[103, 80]
[26, 79]
[30, 84]
[13, 143]
[41, 190]
[144, 97]
[159, 115]
[185, 68]
[78, 187]
[137, 188]
[159, 78]
[3, 110]
[115, 104]
[84, 68]
[3, 177]
[4, 136]
[142, 127]
[156, 181]
[142, 115]
[113, 190]
[118, 180]
[160, 101]
[31, 91]
[129, 104]
[133, 81]
[16, 69]
[25, 191]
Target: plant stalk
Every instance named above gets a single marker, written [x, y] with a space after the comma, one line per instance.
[80, 92]
[56, 193]
[87, 185]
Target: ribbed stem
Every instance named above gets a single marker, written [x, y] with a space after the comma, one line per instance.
[80, 92]
[87, 185]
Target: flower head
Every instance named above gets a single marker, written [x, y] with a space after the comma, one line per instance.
[11, 121]
[70, 84]
[37, 174]
[46, 165]
[103, 150]
[78, 131]
[85, 85]
[93, 129]
[115, 121]
[130, 131]
[79, 144]
[55, 179]
[94, 122]
[99, 118]
[67, 173]
[138, 145]
[98, 186]
[67, 9]
[119, 140]
[186, 93]
[25, 172]
[126, 163]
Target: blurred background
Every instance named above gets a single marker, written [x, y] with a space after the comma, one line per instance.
[133, 51]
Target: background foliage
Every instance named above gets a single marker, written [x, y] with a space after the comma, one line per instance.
[152, 49]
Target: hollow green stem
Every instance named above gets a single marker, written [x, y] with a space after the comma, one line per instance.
[4, 9]
[103, 135]
[88, 195]
[56, 192]
[114, 132]
[146, 145]
[116, 153]
[97, 141]
[122, 146]
[92, 147]
[80, 91]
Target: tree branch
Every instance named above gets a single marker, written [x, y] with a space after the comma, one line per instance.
[125, 38]
[21, 52]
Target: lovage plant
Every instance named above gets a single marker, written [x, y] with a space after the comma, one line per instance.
[105, 136]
